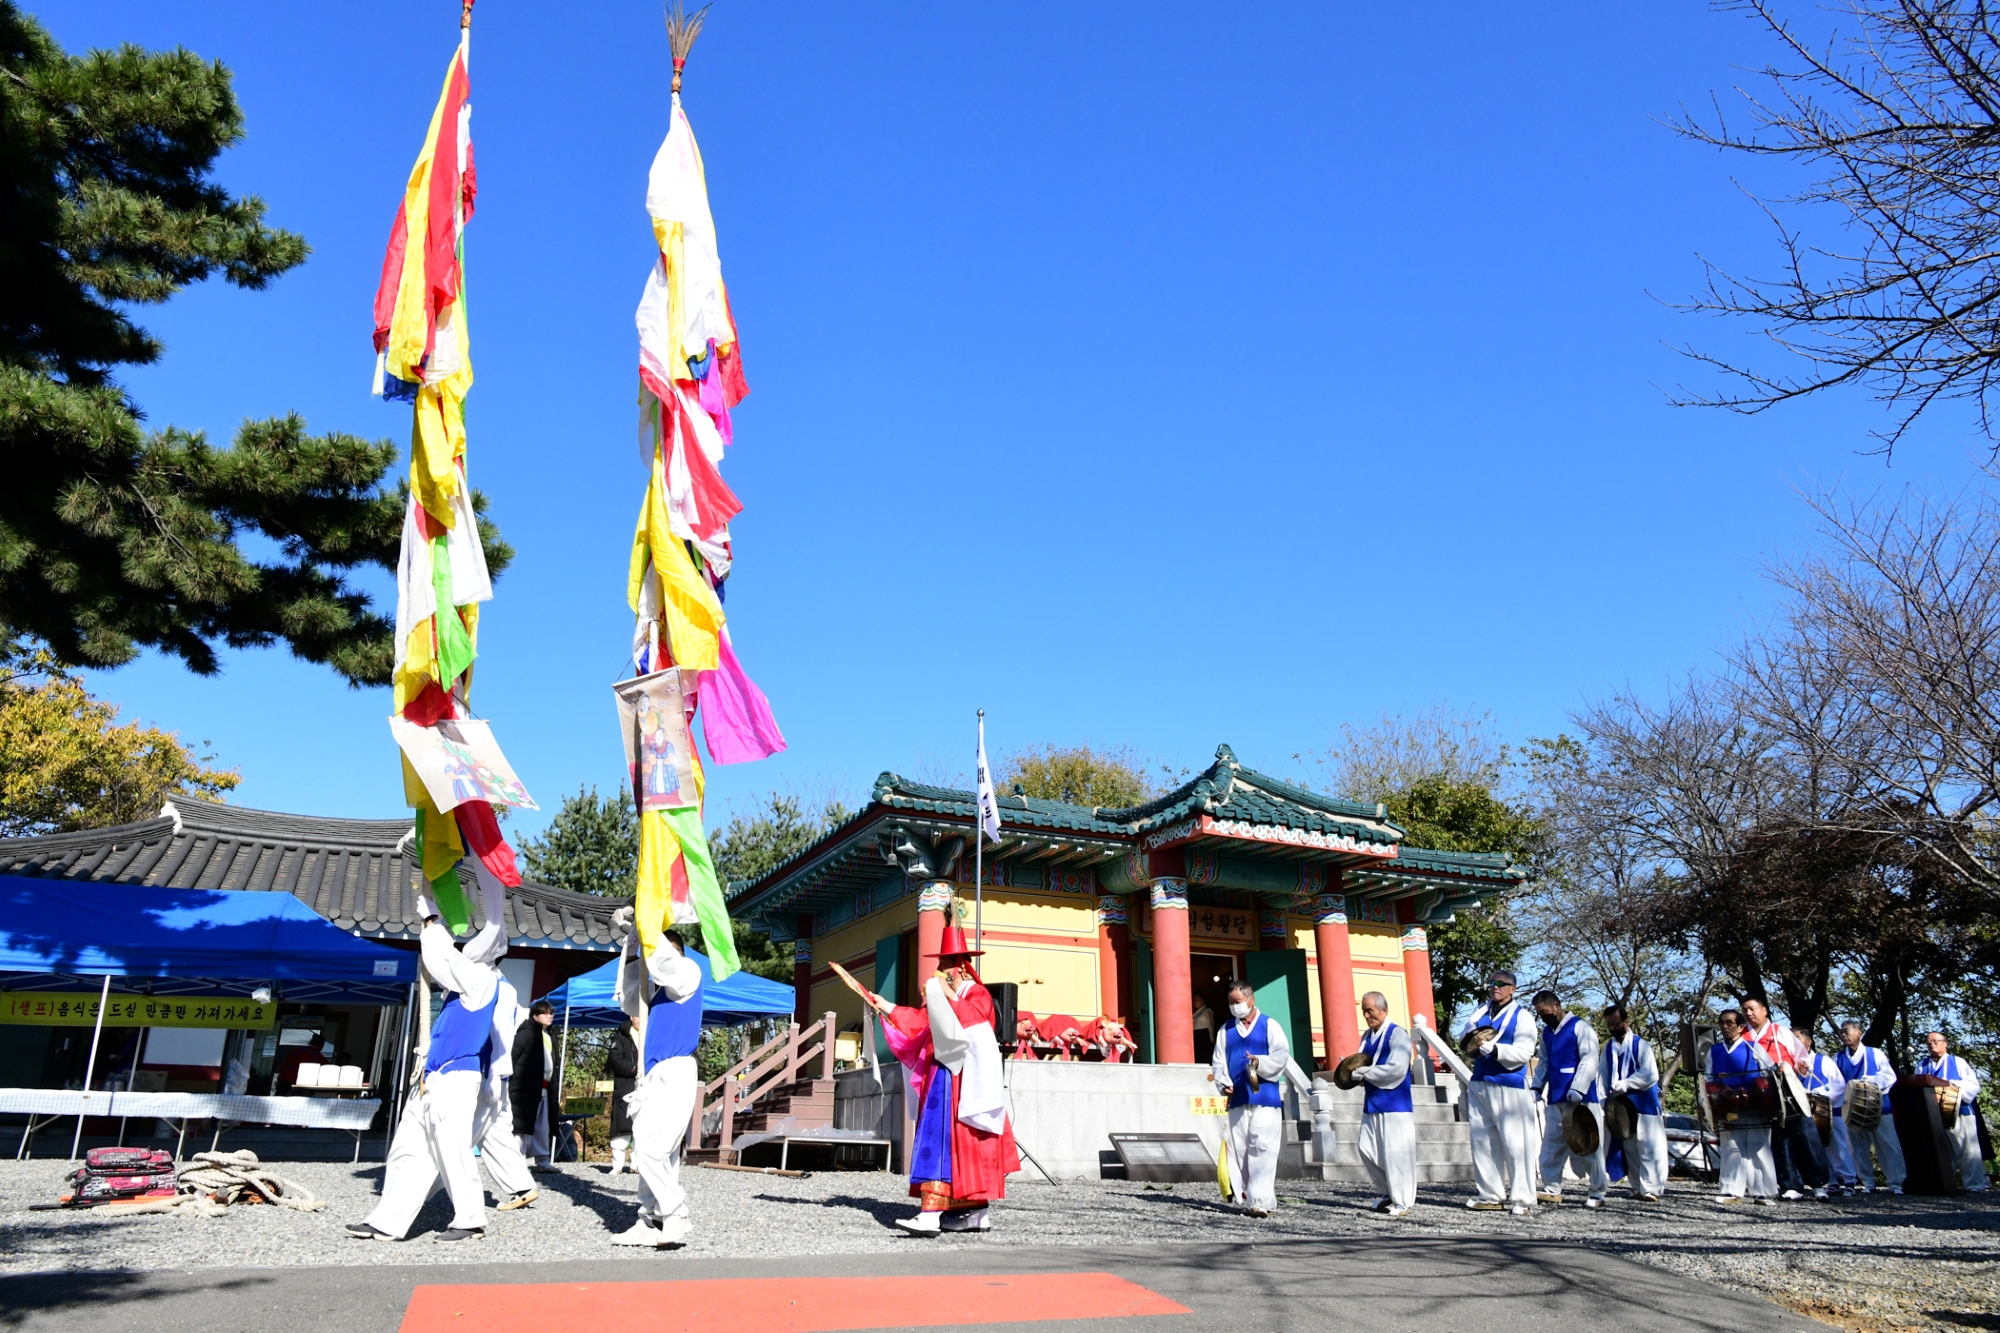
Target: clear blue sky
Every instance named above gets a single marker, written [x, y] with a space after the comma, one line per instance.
[1143, 373]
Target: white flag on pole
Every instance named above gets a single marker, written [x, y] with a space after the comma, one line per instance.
[989, 805]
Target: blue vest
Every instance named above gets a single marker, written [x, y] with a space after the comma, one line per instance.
[673, 1027]
[1852, 1069]
[1379, 1100]
[1271, 1091]
[1815, 1079]
[1734, 1066]
[463, 1037]
[1486, 1069]
[1947, 1068]
[1646, 1101]
[1561, 1044]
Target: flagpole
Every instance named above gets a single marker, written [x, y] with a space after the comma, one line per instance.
[979, 844]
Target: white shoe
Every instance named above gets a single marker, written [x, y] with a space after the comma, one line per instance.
[1820, 1193]
[1766, 1201]
[1729, 1198]
[1593, 1203]
[923, 1224]
[643, 1233]
[674, 1230]
[1519, 1210]
[971, 1219]
[1395, 1212]
[1791, 1196]
[1895, 1189]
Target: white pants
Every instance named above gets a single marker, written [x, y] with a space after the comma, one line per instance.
[1965, 1146]
[498, 1148]
[1646, 1159]
[1555, 1151]
[618, 1147]
[1839, 1156]
[434, 1140]
[536, 1145]
[1747, 1164]
[1503, 1144]
[1255, 1133]
[1879, 1146]
[659, 1128]
[1388, 1146]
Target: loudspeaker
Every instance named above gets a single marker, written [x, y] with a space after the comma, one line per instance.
[1006, 1004]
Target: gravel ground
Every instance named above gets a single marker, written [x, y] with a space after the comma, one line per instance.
[1879, 1263]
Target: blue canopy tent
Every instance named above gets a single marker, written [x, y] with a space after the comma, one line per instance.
[591, 1000]
[54, 933]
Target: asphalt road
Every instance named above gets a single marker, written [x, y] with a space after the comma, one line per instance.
[1380, 1286]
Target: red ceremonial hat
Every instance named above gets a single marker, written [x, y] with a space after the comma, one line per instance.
[953, 944]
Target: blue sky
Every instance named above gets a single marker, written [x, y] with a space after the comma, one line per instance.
[1143, 373]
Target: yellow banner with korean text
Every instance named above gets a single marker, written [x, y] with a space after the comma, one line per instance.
[55, 1009]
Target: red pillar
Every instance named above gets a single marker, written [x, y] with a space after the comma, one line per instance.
[802, 969]
[933, 910]
[1173, 984]
[1114, 959]
[1417, 965]
[1341, 1026]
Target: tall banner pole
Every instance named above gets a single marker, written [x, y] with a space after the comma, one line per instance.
[96, 1031]
[979, 843]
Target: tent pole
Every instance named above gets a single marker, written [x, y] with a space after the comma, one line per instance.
[562, 1062]
[396, 1091]
[96, 1031]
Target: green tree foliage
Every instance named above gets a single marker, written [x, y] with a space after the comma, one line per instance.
[114, 539]
[751, 846]
[591, 846]
[66, 764]
[1108, 777]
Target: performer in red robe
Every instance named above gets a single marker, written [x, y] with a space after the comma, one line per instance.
[964, 1143]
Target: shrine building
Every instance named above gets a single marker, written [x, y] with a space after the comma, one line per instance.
[1144, 914]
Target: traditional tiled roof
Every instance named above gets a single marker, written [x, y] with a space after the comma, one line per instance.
[359, 874]
[1246, 800]
[898, 793]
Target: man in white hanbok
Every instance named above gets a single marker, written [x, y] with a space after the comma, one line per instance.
[1388, 1142]
[1631, 1070]
[1822, 1078]
[434, 1138]
[1249, 1065]
[1502, 1109]
[1730, 1065]
[1963, 1127]
[1880, 1146]
[493, 1124]
[1566, 1077]
[662, 995]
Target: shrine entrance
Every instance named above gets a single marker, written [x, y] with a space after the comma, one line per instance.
[1210, 975]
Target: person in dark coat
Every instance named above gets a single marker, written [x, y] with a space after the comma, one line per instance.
[623, 1064]
[534, 1083]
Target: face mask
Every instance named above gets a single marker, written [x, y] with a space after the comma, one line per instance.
[1551, 1020]
[1241, 1010]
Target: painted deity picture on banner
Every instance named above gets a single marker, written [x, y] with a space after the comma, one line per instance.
[458, 761]
[652, 715]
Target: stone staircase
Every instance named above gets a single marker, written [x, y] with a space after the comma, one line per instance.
[783, 1088]
[1444, 1142]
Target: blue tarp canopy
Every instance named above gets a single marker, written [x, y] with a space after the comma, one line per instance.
[743, 998]
[54, 931]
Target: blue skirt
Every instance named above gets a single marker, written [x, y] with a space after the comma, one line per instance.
[931, 1158]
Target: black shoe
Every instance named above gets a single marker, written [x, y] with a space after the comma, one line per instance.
[461, 1233]
[362, 1231]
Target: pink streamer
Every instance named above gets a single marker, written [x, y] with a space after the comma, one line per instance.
[735, 716]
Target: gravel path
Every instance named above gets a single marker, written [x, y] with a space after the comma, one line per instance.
[1879, 1263]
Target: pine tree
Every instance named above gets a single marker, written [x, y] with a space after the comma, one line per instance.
[114, 539]
[591, 846]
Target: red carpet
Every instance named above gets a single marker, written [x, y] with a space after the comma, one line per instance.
[779, 1305]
